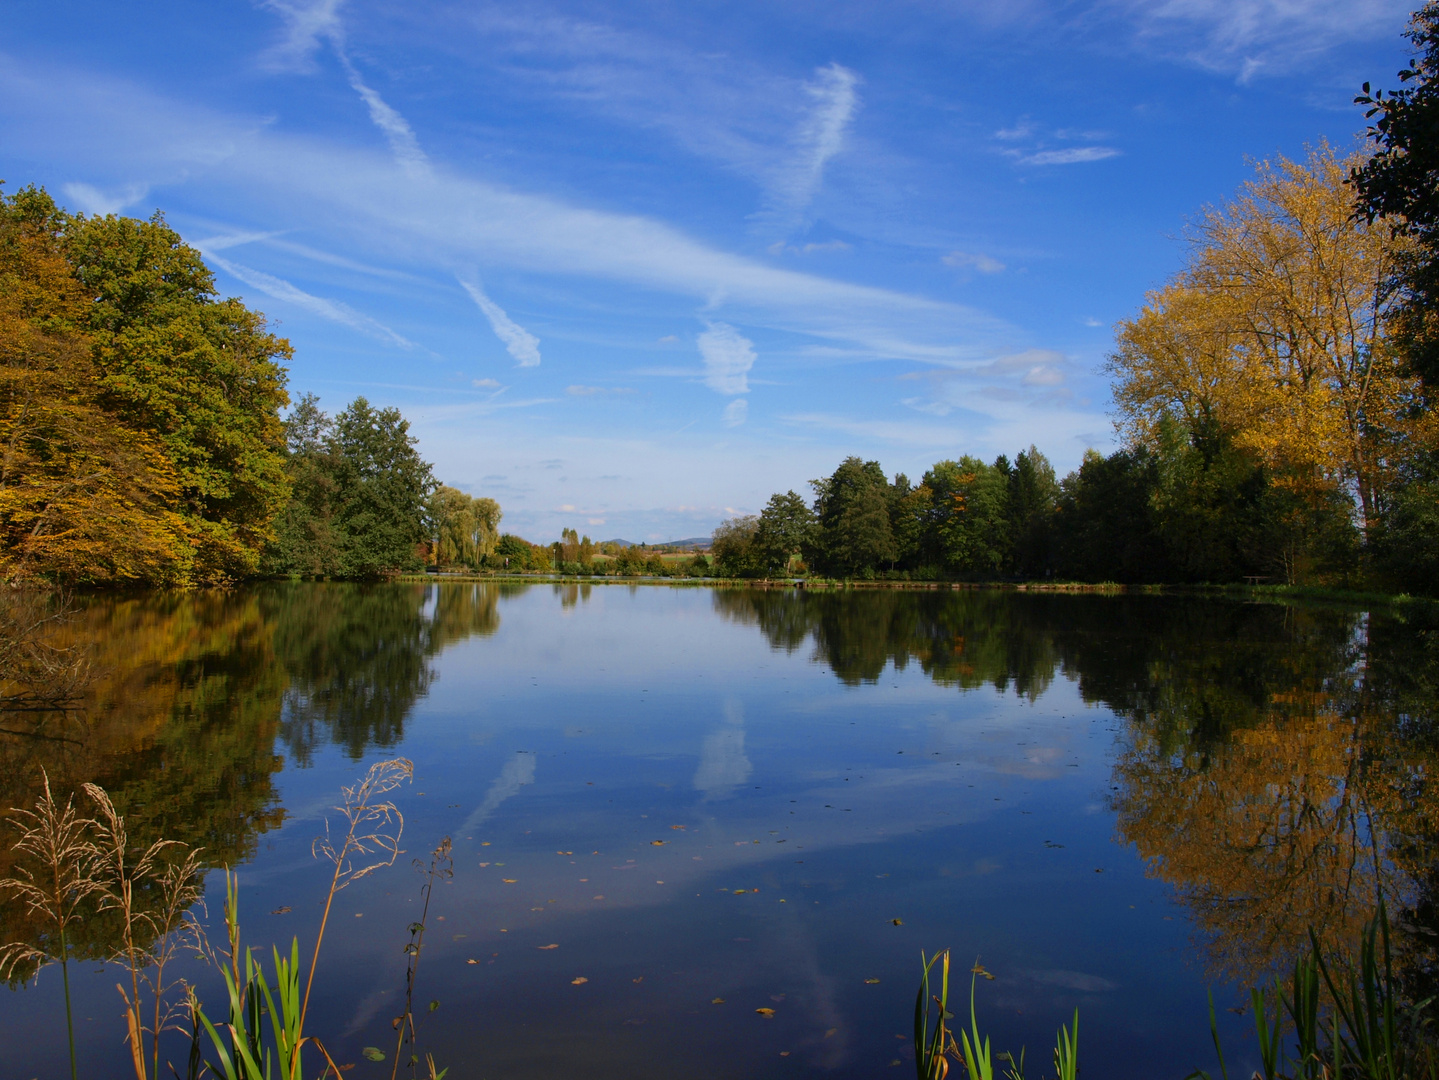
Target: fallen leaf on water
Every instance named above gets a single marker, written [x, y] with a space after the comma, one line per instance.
[656, 843]
[717, 1001]
[784, 1053]
[870, 982]
[280, 911]
[508, 880]
[676, 826]
[547, 946]
[830, 1032]
[373, 1053]
[579, 982]
[484, 864]
[484, 843]
[740, 892]
[434, 1005]
[347, 1066]
[766, 1013]
[599, 897]
[640, 979]
[472, 961]
[894, 1062]
[458, 937]
[897, 922]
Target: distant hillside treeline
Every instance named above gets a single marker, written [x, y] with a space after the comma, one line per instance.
[1273, 422]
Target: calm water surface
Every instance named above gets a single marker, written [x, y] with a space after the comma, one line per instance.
[772, 798]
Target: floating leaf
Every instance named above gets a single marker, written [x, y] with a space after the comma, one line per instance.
[373, 1053]
[472, 961]
[280, 911]
[766, 1013]
[717, 1001]
[508, 880]
[434, 1005]
[897, 922]
[579, 982]
[676, 826]
[871, 982]
[657, 843]
[547, 946]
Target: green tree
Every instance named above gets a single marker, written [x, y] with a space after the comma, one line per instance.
[201, 374]
[968, 515]
[1398, 184]
[382, 488]
[1106, 521]
[1029, 511]
[306, 541]
[465, 528]
[853, 534]
[785, 528]
[736, 553]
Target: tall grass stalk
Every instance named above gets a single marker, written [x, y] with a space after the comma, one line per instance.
[148, 938]
[374, 826]
[441, 868]
[57, 839]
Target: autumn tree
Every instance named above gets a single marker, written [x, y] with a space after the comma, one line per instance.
[1273, 339]
[84, 496]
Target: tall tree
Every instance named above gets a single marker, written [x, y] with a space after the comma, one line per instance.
[852, 506]
[465, 528]
[201, 374]
[84, 497]
[382, 487]
[786, 525]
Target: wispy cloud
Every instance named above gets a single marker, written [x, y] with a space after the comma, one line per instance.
[519, 342]
[1248, 38]
[306, 27]
[596, 391]
[735, 413]
[820, 137]
[395, 127]
[973, 260]
[728, 356]
[334, 310]
[1070, 156]
[93, 200]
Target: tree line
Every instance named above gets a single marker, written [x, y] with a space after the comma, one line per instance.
[1273, 401]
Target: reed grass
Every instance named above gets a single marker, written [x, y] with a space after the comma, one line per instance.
[1361, 1029]
[934, 1046]
[57, 838]
[441, 868]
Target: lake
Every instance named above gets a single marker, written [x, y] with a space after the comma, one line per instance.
[673, 806]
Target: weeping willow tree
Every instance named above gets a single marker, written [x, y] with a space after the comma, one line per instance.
[465, 528]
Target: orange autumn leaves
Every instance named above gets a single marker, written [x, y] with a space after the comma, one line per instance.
[1274, 333]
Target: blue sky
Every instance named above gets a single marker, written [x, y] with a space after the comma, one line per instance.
[634, 267]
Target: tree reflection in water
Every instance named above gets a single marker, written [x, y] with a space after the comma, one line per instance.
[195, 692]
[1275, 763]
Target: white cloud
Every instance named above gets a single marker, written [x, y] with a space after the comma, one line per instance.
[1250, 37]
[735, 413]
[485, 384]
[93, 200]
[974, 260]
[395, 127]
[819, 138]
[449, 221]
[594, 521]
[306, 25]
[519, 342]
[1071, 156]
[593, 391]
[333, 310]
[728, 355]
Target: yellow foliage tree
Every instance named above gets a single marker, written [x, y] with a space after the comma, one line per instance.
[83, 497]
[1275, 331]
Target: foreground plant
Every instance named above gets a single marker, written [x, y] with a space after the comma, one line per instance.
[441, 868]
[150, 936]
[1367, 1032]
[934, 1047]
[57, 839]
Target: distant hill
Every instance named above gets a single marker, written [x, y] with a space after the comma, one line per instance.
[692, 542]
